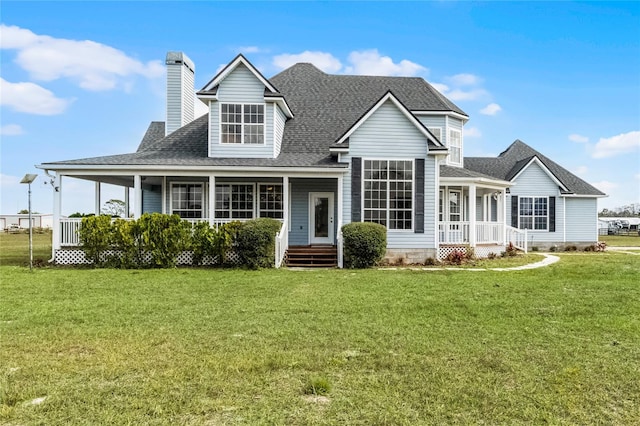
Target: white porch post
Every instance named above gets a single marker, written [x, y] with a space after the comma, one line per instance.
[137, 196]
[504, 216]
[472, 215]
[57, 209]
[127, 209]
[212, 199]
[97, 199]
[285, 200]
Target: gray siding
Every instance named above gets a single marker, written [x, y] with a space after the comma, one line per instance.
[300, 189]
[581, 220]
[180, 96]
[388, 134]
[535, 182]
[240, 86]
[436, 121]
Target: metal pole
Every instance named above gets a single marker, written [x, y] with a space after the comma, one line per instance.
[30, 234]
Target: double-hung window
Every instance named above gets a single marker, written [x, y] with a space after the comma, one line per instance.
[187, 200]
[270, 201]
[388, 193]
[234, 201]
[455, 146]
[534, 213]
[242, 123]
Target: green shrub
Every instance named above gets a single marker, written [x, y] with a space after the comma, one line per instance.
[317, 386]
[365, 244]
[126, 242]
[163, 237]
[256, 242]
[202, 241]
[95, 237]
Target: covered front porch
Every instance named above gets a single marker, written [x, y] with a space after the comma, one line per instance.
[308, 207]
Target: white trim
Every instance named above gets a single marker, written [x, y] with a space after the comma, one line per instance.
[486, 182]
[161, 170]
[242, 124]
[583, 196]
[254, 203]
[439, 128]
[231, 67]
[137, 196]
[533, 216]
[257, 197]
[212, 199]
[451, 147]
[202, 191]
[282, 102]
[207, 97]
[413, 193]
[390, 96]
[330, 239]
[536, 160]
[445, 113]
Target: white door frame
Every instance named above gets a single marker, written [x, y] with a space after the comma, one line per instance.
[330, 238]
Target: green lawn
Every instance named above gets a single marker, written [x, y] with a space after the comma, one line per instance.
[556, 345]
[14, 248]
[621, 240]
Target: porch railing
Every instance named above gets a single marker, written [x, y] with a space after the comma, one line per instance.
[517, 237]
[282, 243]
[489, 232]
[339, 245]
[454, 232]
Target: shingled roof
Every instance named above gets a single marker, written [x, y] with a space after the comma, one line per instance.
[325, 106]
[510, 162]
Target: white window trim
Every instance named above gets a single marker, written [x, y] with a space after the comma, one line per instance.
[253, 207]
[533, 197]
[257, 197]
[449, 145]
[460, 205]
[204, 200]
[242, 124]
[413, 193]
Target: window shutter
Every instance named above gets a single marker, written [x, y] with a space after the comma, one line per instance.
[356, 189]
[514, 211]
[552, 214]
[419, 207]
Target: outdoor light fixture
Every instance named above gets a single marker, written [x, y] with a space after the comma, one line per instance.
[28, 179]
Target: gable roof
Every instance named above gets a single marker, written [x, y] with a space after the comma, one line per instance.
[326, 106]
[212, 85]
[511, 162]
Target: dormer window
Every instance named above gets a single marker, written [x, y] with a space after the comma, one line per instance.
[242, 123]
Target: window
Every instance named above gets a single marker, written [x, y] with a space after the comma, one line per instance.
[533, 213]
[234, 201]
[271, 201]
[437, 132]
[186, 200]
[441, 206]
[455, 206]
[455, 146]
[388, 193]
[242, 123]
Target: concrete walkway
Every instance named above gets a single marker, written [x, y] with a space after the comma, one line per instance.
[549, 259]
[626, 250]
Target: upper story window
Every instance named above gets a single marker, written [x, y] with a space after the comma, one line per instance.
[242, 123]
[187, 200]
[455, 146]
[388, 193]
[437, 132]
[533, 213]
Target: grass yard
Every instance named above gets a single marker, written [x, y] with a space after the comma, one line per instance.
[558, 345]
[621, 240]
[14, 248]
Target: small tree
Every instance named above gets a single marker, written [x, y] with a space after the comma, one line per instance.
[114, 208]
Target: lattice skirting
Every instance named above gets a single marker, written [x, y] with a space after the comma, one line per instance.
[480, 252]
[75, 256]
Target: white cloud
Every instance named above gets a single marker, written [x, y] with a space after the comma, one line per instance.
[366, 62]
[31, 98]
[615, 145]
[94, 66]
[574, 137]
[464, 80]
[7, 181]
[370, 62]
[605, 186]
[581, 170]
[472, 132]
[467, 95]
[249, 49]
[11, 130]
[491, 109]
[324, 61]
[442, 88]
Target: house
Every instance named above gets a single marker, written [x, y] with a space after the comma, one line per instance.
[21, 221]
[317, 151]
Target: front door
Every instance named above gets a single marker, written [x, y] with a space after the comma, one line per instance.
[320, 218]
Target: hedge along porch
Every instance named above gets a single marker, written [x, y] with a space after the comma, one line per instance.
[310, 202]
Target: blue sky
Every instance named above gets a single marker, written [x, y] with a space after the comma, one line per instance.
[84, 79]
